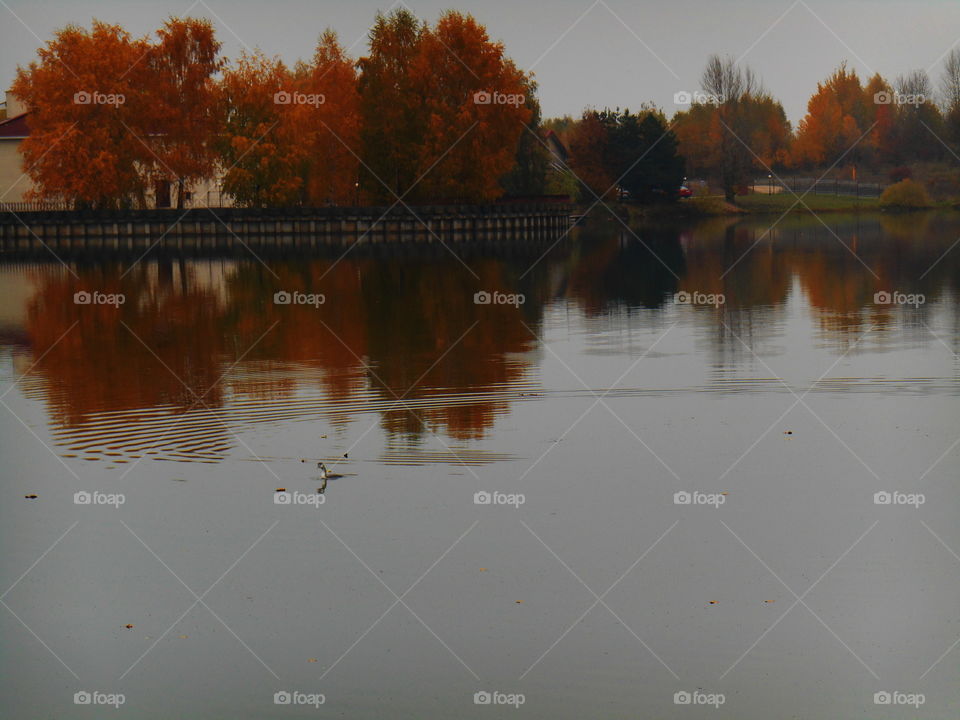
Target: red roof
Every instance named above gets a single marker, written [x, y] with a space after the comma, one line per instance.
[15, 128]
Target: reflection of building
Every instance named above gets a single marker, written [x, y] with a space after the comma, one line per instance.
[14, 182]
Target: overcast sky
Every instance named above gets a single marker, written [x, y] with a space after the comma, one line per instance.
[584, 53]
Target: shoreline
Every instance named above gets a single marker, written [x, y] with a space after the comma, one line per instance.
[204, 229]
[714, 207]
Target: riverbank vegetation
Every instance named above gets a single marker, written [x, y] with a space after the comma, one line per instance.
[434, 112]
[440, 113]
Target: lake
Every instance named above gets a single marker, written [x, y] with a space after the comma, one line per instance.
[706, 469]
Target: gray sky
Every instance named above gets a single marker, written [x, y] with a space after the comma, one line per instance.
[584, 53]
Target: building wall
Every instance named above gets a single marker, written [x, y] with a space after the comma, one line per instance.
[12, 185]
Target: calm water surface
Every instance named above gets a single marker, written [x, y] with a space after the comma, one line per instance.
[583, 585]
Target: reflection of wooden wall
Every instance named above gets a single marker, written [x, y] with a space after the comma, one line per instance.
[76, 232]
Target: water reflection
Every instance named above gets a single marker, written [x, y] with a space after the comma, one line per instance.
[199, 347]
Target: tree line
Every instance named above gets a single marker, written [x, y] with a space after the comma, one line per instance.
[735, 129]
[431, 112]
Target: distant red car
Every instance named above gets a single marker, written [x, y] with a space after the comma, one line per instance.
[685, 192]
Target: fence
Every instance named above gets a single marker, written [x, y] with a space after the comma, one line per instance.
[41, 206]
[223, 229]
[814, 186]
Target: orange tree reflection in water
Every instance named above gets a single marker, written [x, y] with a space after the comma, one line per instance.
[406, 325]
[401, 329]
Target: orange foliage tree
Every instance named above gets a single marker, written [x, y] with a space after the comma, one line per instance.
[87, 113]
[183, 107]
[882, 139]
[261, 161]
[433, 113]
[588, 150]
[443, 109]
[475, 104]
[328, 125]
[837, 114]
[289, 137]
[740, 131]
[393, 126]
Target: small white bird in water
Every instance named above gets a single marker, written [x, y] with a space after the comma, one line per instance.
[324, 476]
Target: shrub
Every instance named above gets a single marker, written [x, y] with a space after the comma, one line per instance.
[900, 173]
[905, 194]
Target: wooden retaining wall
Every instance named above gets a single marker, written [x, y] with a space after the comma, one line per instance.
[226, 229]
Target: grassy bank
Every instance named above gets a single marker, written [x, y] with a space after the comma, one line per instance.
[759, 204]
[782, 202]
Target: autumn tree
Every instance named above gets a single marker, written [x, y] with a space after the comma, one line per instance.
[443, 109]
[694, 131]
[262, 160]
[326, 124]
[394, 123]
[475, 102]
[589, 140]
[882, 140]
[290, 136]
[839, 116]
[731, 86]
[184, 123]
[744, 128]
[85, 96]
[532, 159]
